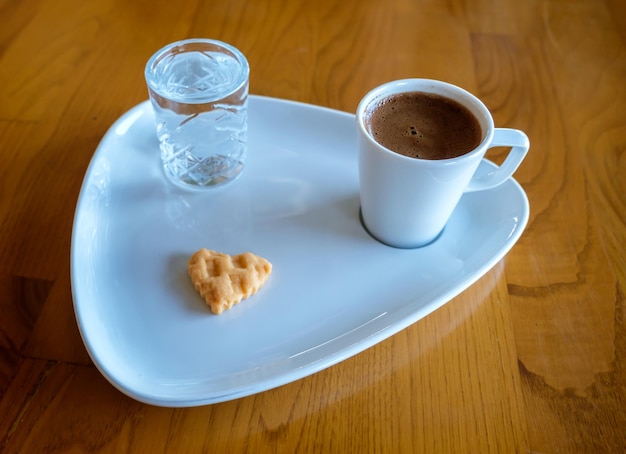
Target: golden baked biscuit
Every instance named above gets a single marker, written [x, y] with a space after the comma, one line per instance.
[224, 280]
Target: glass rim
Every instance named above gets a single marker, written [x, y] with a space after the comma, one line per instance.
[157, 57]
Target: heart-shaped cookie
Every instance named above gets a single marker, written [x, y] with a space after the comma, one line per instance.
[224, 280]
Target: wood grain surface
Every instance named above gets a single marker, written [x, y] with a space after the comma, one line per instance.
[531, 358]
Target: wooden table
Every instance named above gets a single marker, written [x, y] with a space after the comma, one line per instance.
[531, 358]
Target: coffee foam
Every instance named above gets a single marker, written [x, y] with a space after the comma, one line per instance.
[423, 125]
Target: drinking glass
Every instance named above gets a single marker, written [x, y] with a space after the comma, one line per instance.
[199, 93]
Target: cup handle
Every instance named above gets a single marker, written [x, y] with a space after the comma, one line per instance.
[502, 137]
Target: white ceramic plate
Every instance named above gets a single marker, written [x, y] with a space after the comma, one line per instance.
[334, 291]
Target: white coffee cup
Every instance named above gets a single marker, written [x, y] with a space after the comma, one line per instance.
[406, 202]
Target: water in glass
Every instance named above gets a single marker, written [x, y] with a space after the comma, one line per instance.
[199, 98]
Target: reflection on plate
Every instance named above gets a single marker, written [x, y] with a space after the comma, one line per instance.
[334, 291]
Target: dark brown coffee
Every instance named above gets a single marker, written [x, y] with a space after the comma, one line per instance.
[424, 125]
